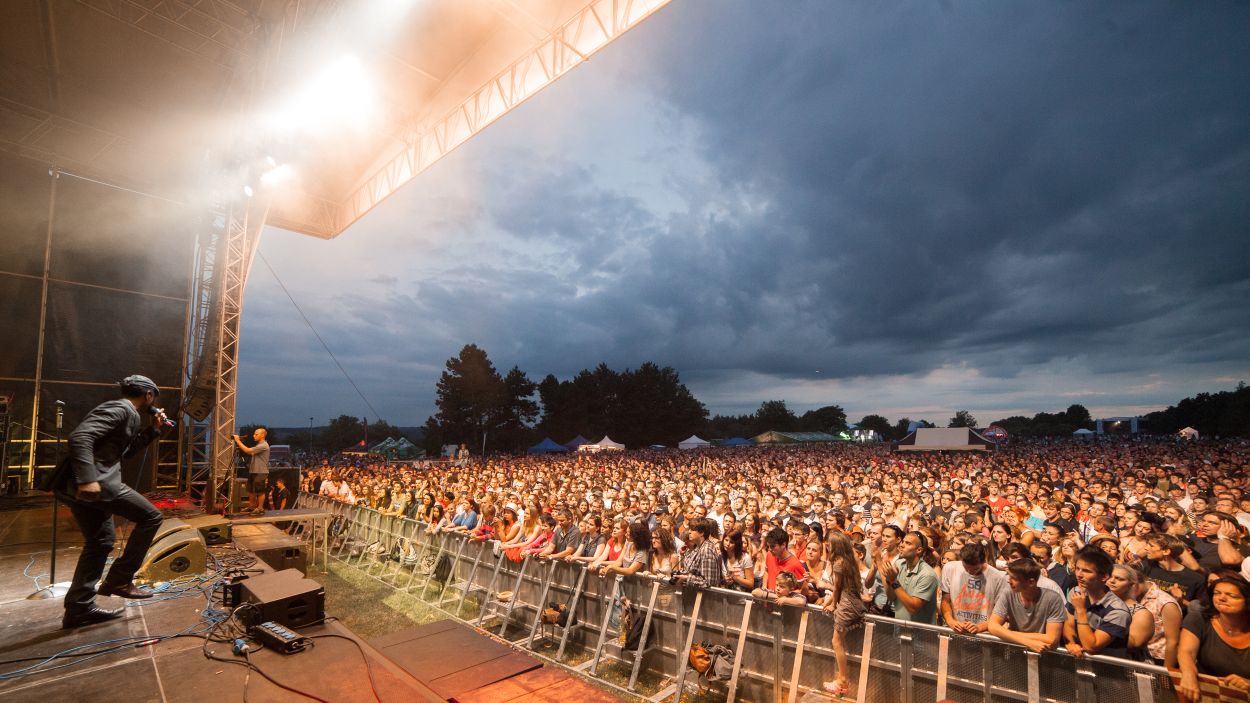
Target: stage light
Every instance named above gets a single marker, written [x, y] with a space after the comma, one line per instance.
[247, 190]
[341, 95]
[277, 175]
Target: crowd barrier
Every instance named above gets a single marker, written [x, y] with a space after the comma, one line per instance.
[780, 653]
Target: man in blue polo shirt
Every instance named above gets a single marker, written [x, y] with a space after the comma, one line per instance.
[1097, 621]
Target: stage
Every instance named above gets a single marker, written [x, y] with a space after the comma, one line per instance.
[157, 652]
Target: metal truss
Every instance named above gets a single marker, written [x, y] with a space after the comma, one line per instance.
[238, 246]
[593, 27]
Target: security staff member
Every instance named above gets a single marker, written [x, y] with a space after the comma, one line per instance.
[92, 488]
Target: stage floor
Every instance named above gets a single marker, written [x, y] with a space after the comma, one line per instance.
[177, 669]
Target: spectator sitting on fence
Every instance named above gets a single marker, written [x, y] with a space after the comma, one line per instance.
[1097, 620]
[701, 564]
[970, 588]
[1215, 639]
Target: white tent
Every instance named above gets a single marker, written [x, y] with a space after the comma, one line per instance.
[1083, 433]
[693, 442]
[605, 444]
[1188, 433]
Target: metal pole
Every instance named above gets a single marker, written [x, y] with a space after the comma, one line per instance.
[51, 590]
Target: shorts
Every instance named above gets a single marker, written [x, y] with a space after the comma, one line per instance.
[257, 483]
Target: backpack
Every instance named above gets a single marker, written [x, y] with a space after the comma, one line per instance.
[442, 569]
[713, 662]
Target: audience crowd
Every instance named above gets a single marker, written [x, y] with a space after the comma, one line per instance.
[1131, 547]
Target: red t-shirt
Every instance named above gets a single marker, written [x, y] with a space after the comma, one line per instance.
[774, 567]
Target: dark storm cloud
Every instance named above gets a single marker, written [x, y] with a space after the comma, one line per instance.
[862, 190]
[997, 183]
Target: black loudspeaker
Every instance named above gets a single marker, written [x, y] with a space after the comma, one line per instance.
[216, 534]
[290, 555]
[180, 553]
[284, 597]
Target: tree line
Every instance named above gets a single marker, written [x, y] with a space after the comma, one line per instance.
[649, 405]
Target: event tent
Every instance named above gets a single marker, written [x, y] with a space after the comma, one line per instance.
[605, 444]
[774, 437]
[735, 442]
[1188, 433]
[546, 446]
[577, 443]
[930, 439]
[1083, 433]
[693, 442]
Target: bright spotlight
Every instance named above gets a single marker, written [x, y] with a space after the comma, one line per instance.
[277, 176]
[247, 190]
[340, 95]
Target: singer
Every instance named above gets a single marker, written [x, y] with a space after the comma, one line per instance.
[91, 485]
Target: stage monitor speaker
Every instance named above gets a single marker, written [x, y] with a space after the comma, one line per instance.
[284, 597]
[170, 526]
[180, 553]
[216, 534]
[288, 555]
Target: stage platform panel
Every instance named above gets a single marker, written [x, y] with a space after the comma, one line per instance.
[545, 685]
[453, 658]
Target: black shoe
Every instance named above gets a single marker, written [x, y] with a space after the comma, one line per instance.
[90, 617]
[123, 590]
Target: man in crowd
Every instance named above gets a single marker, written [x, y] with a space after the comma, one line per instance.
[1025, 614]
[970, 588]
[702, 565]
[1097, 620]
[565, 538]
[911, 584]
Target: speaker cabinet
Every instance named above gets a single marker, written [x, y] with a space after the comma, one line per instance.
[178, 554]
[284, 597]
[216, 533]
[170, 526]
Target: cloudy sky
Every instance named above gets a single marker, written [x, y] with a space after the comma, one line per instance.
[901, 208]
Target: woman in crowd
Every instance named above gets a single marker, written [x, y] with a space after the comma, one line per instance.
[1215, 639]
[1124, 582]
[438, 520]
[844, 603]
[813, 557]
[593, 542]
[739, 567]
[614, 546]
[427, 507]
[1001, 535]
[531, 530]
[635, 555]
[1167, 622]
[664, 557]
[545, 533]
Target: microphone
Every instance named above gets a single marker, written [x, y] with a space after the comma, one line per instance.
[153, 410]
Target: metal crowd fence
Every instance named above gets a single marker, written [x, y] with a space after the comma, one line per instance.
[780, 654]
